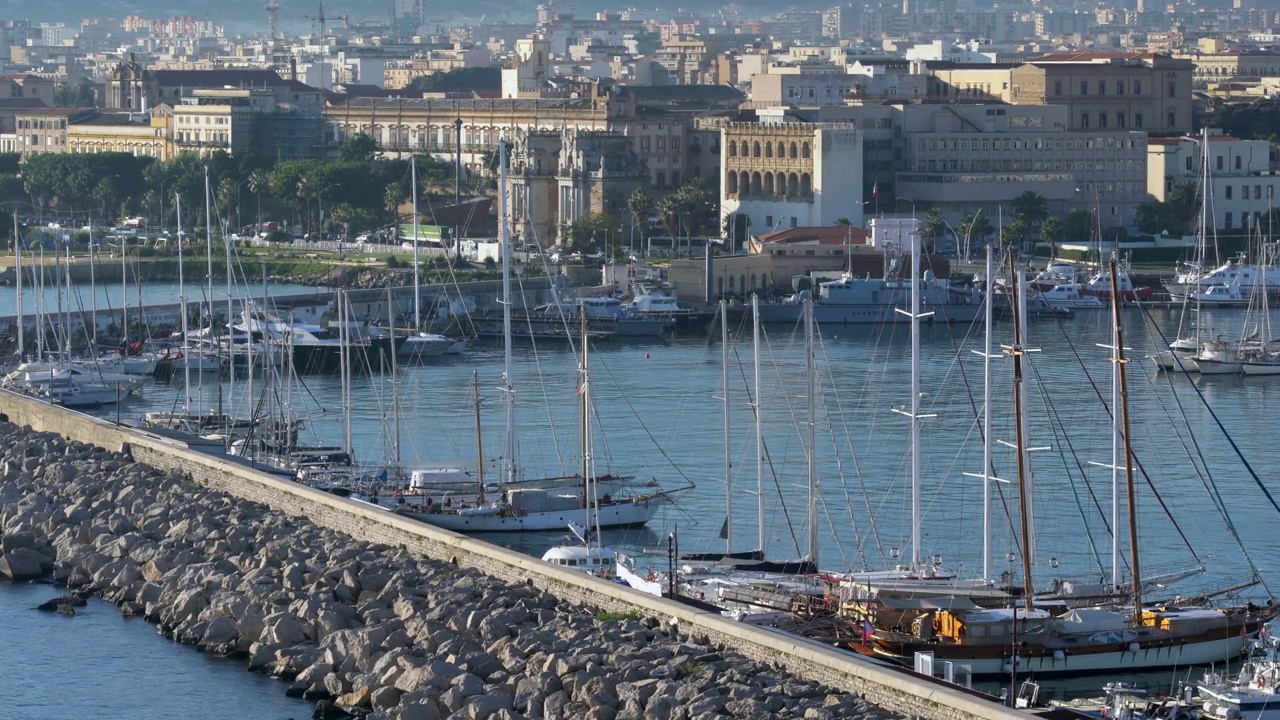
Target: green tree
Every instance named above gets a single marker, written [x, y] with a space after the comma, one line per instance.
[259, 182]
[393, 197]
[1014, 232]
[360, 148]
[1077, 226]
[640, 203]
[977, 228]
[10, 163]
[1184, 206]
[591, 233]
[11, 188]
[227, 196]
[1152, 217]
[843, 221]
[1051, 232]
[934, 227]
[107, 193]
[1032, 206]
[460, 80]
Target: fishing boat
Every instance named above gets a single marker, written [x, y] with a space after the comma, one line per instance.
[1045, 638]
[1253, 693]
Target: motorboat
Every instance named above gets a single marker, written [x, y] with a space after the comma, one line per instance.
[1222, 295]
[1057, 273]
[1217, 358]
[1069, 296]
[1253, 693]
[1191, 278]
[649, 300]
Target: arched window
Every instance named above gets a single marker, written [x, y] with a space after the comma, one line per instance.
[804, 151]
[755, 184]
[733, 148]
[793, 184]
[755, 150]
[1172, 119]
[793, 151]
[744, 185]
[768, 183]
[732, 182]
[731, 278]
[742, 283]
[768, 149]
[806, 185]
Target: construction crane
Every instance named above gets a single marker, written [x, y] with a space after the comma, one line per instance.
[319, 18]
[273, 13]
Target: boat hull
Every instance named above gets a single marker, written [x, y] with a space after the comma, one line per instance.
[994, 661]
[868, 314]
[632, 514]
[1260, 368]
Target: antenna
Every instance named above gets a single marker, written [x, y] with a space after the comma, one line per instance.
[273, 13]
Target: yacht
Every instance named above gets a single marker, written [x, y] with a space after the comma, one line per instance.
[1192, 278]
[1253, 693]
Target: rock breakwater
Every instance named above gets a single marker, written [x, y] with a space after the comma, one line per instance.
[359, 628]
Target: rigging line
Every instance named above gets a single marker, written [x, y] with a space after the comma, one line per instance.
[1212, 486]
[537, 361]
[1056, 419]
[853, 456]
[1133, 456]
[768, 454]
[754, 403]
[626, 398]
[834, 445]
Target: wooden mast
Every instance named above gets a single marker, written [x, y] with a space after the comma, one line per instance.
[1128, 449]
[1024, 503]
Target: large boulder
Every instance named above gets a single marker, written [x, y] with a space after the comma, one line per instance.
[22, 563]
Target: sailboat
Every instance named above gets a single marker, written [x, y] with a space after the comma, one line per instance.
[1050, 640]
[420, 344]
[530, 505]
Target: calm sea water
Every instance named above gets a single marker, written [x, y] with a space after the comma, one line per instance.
[657, 412]
[99, 664]
[80, 298]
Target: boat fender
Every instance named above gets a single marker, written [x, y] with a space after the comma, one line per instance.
[1059, 655]
[1134, 647]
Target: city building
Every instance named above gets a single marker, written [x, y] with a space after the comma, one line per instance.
[1243, 175]
[143, 135]
[791, 174]
[44, 130]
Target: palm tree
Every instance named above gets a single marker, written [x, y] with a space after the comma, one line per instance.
[933, 228]
[1051, 232]
[1032, 206]
[1077, 226]
[106, 193]
[1014, 233]
[640, 204]
[393, 198]
[228, 189]
[1184, 204]
[975, 227]
[306, 191]
[843, 222]
[669, 210]
[259, 183]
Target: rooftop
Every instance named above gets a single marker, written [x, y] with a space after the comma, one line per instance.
[833, 235]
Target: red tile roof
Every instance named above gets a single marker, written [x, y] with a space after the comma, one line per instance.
[833, 235]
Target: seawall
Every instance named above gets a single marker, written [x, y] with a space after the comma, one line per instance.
[805, 662]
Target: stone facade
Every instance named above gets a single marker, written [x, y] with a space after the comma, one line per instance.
[136, 134]
[559, 176]
[790, 174]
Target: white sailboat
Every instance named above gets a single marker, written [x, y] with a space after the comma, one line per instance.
[420, 344]
[521, 508]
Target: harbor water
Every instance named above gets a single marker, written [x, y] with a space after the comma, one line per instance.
[98, 664]
[657, 412]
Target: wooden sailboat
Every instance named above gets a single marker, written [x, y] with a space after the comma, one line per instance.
[1050, 639]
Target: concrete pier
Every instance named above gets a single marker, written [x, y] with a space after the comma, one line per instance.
[348, 600]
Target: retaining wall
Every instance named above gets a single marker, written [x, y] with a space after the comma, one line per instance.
[882, 686]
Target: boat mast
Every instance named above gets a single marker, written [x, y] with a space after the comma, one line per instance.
[124, 292]
[1128, 449]
[475, 384]
[810, 371]
[986, 474]
[417, 279]
[728, 460]
[208, 238]
[504, 233]
[395, 380]
[914, 411]
[231, 348]
[1016, 351]
[182, 302]
[1117, 439]
[344, 357]
[93, 293]
[755, 351]
[585, 408]
[17, 259]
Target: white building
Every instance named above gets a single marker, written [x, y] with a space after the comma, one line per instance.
[791, 174]
[1243, 175]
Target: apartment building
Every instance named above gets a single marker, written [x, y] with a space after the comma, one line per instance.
[791, 174]
[143, 135]
[44, 130]
[962, 159]
[1244, 175]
